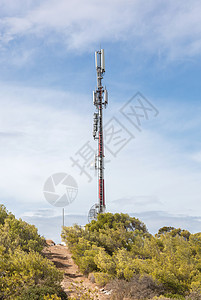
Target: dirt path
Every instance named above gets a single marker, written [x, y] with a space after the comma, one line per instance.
[74, 283]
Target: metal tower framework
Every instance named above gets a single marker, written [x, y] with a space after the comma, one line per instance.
[100, 99]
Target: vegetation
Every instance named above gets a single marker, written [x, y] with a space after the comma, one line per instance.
[24, 272]
[116, 251]
[81, 292]
[118, 248]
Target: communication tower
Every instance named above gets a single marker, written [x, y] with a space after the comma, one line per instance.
[100, 100]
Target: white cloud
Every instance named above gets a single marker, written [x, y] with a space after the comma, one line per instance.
[39, 131]
[154, 165]
[50, 226]
[49, 223]
[196, 157]
[41, 128]
[172, 28]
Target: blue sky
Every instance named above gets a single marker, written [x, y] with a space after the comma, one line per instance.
[46, 82]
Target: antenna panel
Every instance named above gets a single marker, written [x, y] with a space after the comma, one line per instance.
[102, 60]
[105, 97]
[96, 59]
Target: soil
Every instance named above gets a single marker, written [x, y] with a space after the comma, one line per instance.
[74, 282]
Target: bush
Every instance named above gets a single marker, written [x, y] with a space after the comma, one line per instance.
[102, 278]
[17, 233]
[3, 214]
[43, 292]
[118, 246]
[52, 297]
[94, 246]
[24, 272]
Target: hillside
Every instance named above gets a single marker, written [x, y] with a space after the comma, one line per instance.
[119, 253]
[113, 258]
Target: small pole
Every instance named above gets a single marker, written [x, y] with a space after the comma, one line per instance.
[63, 217]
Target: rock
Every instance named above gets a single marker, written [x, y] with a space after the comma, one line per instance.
[50, 243]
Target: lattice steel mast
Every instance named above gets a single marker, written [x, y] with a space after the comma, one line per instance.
[100, 99]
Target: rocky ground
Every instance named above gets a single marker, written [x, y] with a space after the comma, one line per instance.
[74, 283]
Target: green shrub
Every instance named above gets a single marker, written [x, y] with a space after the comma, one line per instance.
[118, 246]
[102, 278]
[17, 233]
[21, 270]
[24, 272]
[3, 214]
[38, 293]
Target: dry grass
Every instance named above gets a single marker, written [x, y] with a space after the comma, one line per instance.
[137, 288]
